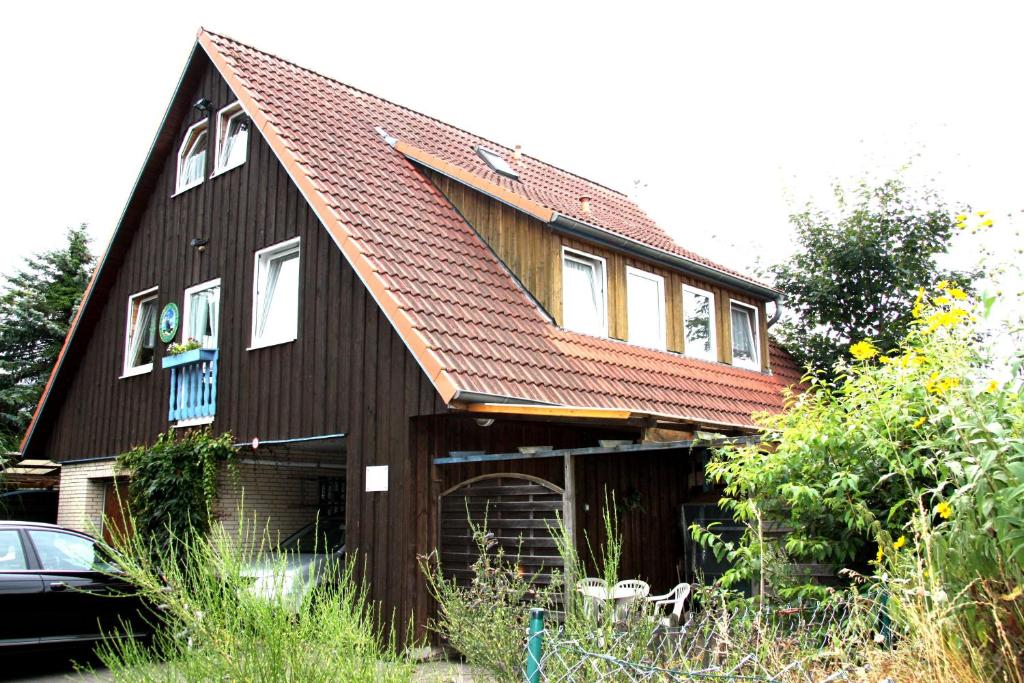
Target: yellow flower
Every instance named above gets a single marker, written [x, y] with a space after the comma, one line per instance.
[987, 223]
[936, 384]
[960, 218]
[944, 510]
[942, 301]
[982, 214]
[957, 293]
[880, 555]
[863, 350]
[993, 386]
[943, 284]
[920, 422]
[911, 360]
[900, 542]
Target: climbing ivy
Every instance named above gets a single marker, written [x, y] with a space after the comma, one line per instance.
[173, 485]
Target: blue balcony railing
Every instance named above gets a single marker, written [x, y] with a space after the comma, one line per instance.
[193, 384]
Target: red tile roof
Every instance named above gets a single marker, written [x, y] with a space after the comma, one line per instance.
[455, 304]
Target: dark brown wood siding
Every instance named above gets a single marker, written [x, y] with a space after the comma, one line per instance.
[348, 371]
[532, 251]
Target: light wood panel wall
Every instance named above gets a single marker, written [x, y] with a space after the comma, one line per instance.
[532, 251]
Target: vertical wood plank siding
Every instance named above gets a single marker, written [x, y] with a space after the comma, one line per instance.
[348, 371]
[532, 251]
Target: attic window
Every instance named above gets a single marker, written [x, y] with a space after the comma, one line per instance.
[584, 293]
[192, 157]
[645, 308]
[746, 349]
[699, 336]
[232, 137]
[497, 163]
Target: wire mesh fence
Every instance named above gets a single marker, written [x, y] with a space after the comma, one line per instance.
[810, 644]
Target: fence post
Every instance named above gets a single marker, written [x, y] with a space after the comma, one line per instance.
[533, 645]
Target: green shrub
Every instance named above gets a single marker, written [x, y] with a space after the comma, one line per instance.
[173, 485]
[212, 628]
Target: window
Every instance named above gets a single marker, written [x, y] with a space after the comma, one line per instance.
[12, 557]
[232, 137]
[645, 299]
[746, 351]
[200, 320]
[275, 316]
[699, 324]
[140, 334]
[192, 158]
[584, 287]
[67, 552]
[497, 163]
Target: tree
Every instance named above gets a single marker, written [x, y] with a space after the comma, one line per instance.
[855, 275]
[36, 309]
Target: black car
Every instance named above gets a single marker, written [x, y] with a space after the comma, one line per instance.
[60, 587]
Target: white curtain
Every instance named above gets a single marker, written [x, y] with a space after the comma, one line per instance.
[235, 142]
[194, 165]
[143, 337]
[697, 325]
[743, 347]
[204, 308]
[583, 296]
[644, 306]
[279, 304]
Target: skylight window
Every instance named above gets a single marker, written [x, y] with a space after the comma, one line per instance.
[497, 163]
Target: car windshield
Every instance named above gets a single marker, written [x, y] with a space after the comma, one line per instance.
[326, 537]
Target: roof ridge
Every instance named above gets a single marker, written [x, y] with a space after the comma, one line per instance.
[416, 112]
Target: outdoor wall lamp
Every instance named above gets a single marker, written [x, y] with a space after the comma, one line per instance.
[199, 243]
[204, 105]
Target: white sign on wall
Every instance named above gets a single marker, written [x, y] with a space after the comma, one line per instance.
[376, 478]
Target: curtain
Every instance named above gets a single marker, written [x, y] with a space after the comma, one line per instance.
[583, 297]
[204, 307]
[644, 306]
[143, 337]
[743, 347]
[235, 139]
[194, 166]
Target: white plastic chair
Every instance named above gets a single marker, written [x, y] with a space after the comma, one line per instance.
[594, 592]
[626, 593]
[676, 599]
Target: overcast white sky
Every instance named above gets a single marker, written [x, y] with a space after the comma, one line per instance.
[729, 114]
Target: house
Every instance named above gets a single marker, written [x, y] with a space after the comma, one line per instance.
[401, 321]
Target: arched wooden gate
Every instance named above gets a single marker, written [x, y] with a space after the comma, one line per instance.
[520, 510]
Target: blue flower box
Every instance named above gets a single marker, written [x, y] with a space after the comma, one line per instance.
[189, 357]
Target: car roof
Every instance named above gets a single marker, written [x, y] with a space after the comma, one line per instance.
[8, 523]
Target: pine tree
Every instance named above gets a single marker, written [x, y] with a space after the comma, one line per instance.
[36, 309]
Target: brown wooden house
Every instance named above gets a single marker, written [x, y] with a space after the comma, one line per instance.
[408, 319]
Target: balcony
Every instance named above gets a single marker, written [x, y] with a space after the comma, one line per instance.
[193, 393]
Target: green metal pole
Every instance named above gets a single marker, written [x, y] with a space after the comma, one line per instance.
[533, 645]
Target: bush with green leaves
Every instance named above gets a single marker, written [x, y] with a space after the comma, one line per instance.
[910, 466]
[173, 484]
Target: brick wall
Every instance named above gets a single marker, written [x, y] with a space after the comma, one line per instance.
[279, 496]
[82, 486]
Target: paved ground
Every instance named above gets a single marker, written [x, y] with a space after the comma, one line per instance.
[60, 668]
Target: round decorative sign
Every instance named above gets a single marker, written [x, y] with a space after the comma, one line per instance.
[169, 322]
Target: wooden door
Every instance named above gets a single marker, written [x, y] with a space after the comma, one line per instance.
[115, 522]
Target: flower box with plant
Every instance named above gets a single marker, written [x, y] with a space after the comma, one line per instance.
[190, 351]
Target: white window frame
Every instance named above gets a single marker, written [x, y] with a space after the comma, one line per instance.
[660, 282]
[714, 323]
[186, 146]
[224, 118]
[281, 248]
[497, 163]
[756, 364]
[576, 254]
[186, 308]
[128, 370]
